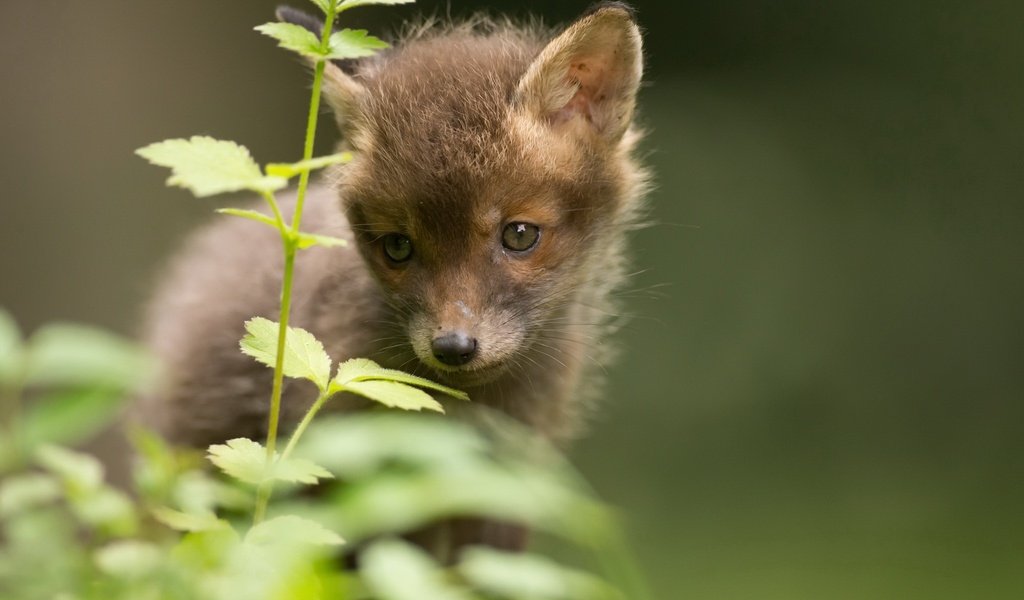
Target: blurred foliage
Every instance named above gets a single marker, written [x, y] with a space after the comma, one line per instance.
[188, 533]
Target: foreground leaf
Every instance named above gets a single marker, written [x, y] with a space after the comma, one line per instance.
[293, 37]
[246, 460]
[394, 395]
[304, 355]
[181, 521]
[10, 349]
[80, 472]
[364, 369]
[252, 215]
[128, 559]
[354, 43]
[23, 492]
[70, 417]
[308, 240]
[206, 166]
[71, 355]
[241, 458]
[347, 4]
[289, 170]
[511, 575]
[291, 530]
[395, 570]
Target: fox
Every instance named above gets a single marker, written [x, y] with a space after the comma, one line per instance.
[493, 186]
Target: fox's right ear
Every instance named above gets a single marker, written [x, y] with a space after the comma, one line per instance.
[586, 80]
[340, 90]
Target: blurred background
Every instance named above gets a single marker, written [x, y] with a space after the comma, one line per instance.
[821, 394]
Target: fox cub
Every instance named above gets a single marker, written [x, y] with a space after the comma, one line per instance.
[493, 185]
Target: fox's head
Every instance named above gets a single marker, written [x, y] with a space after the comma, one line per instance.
[492, 181]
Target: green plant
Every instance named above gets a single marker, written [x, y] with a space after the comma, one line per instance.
[195, 534]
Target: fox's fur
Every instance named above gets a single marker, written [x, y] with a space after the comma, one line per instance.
[457, 131]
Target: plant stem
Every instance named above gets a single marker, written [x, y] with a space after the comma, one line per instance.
[306, 420]
[314, 113]
[289, 238]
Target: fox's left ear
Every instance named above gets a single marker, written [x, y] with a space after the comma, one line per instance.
[587, 78]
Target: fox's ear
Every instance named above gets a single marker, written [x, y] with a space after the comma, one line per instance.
[588, 76]
[340, 90]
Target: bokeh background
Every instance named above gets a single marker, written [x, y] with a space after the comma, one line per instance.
[822, 392]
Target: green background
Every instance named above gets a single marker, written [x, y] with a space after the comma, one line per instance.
[820, 394]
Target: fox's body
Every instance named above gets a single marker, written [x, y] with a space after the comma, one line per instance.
[486, 208]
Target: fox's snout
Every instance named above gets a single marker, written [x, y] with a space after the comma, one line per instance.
[454, 348]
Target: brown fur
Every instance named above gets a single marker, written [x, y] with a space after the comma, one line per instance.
[457, 131]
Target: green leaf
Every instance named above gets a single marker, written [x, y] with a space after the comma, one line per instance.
[364, 369]
[66, 354]
[79, 471]
[323, 5]
[308, 240]
[128, 559]
[510, 575]
[10, 349]
[356, 446]
[241, 458]
[249, 214]
[27, 491]
[107, 509]
[354, 43]
[292, 530]
[394, 395]
[206, 166]
[293, 37]
[246, 461]
[304, 355]
[181, 521]
[289, 170]
[347, 4]
[395, 570]
[70, 417]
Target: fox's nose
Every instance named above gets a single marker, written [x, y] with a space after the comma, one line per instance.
[454, 349]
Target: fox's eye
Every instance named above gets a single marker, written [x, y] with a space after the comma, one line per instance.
[520, 237]
[397, 247]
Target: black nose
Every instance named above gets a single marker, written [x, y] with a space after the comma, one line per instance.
[454, 349]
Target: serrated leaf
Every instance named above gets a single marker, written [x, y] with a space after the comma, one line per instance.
[206, 166]
[241, 458]
[293, 37]
[128, 559]
[289, 170]
[395, 570]
[181, 521]
[354, 43]
[246, 460]
[364, 369]
[308, 240]
[347, 4]
[304, 355]
[299, 470]
[22, 492]
[395, 395]
[512, 575]
[323, 5]
[10, 349]
[249, 214]
[291, 530]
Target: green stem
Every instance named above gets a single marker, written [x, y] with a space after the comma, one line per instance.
[314, 113]
[290, 247]
[263, 494]
[306, 420]
[272, 202]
